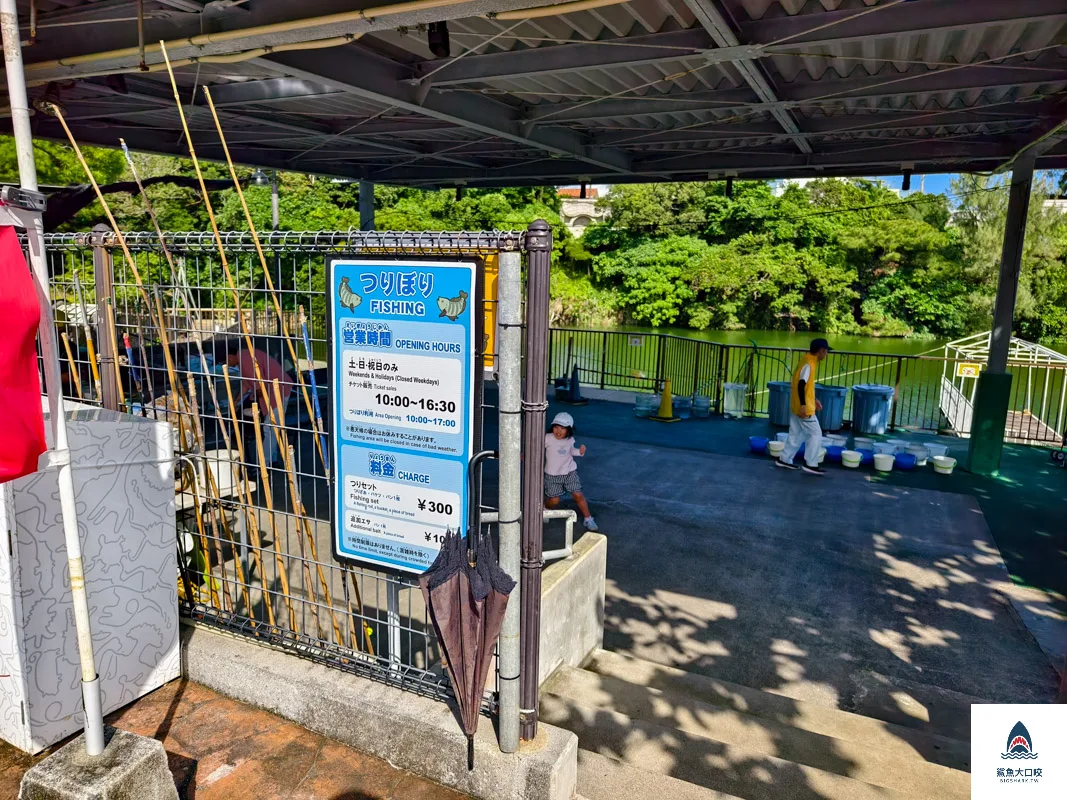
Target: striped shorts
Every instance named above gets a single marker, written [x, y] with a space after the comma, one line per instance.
[559, 485]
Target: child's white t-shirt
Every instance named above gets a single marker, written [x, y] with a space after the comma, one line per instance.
[559, 455]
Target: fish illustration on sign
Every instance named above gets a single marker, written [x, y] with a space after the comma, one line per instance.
[452, 307]
[349, 299]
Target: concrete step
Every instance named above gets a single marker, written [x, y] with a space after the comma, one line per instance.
[604, 778]
[702, 761]
[580, 690]
[915, 704]
[900, 740]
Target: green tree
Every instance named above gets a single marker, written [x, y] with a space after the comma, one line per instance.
[1042, 297]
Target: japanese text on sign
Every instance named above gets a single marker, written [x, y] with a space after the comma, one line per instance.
[402, 366]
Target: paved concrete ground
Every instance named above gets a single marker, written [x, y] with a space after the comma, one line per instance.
[220, 749]
[844, 589]
[1024, 506]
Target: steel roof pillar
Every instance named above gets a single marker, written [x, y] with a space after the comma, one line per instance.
[366, 205]
[1022, 178]
[993, 396]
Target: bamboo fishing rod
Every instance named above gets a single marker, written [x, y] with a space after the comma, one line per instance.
[319, 426]
[268, 497]
[158, 322]
[135, 382]
[251, 524]
[90, 349]
[75, 373]
[247, 335]
[304, 522]
[288, 459]
[191, 316]
[213, 489]
[172, 373]
[109, 314]
[147, 385]
[266, 273]
[198, 434]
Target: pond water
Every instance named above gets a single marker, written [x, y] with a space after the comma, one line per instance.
[855, 344]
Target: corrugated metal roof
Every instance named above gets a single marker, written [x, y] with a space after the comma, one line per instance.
[864, 85]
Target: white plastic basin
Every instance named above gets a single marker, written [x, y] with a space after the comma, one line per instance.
[883, 462]
[943, 465]
[937, 449]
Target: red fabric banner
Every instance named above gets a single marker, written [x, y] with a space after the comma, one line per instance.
[21, 420]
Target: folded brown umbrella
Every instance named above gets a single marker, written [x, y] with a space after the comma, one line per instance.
[466, 593]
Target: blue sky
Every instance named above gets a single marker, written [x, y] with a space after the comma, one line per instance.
[935, 184]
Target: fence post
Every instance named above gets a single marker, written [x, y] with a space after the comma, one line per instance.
[509, 380]
[696, 369]
[603, 359]
[539, 248]
[720, 390]
[896, 394]
[103, 272]
[660, 355]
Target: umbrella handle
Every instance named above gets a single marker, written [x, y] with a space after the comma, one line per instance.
[474, 499]
[470, 754]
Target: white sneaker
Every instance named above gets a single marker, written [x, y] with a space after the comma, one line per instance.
[590, 524]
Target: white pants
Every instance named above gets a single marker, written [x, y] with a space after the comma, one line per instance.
[803, 431]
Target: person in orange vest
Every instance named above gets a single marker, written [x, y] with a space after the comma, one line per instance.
[804, 427]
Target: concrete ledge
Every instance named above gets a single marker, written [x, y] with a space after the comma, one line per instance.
[572, 606]
[411, 732]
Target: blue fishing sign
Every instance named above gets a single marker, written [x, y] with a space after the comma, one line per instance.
[402, 362]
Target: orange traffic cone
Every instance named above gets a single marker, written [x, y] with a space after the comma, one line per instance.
[666, 405]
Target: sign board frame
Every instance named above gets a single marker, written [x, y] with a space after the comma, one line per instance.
[446, 469]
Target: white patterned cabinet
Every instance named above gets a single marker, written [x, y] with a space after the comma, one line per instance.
[123, 480]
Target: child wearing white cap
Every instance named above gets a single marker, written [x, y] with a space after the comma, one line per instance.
[561, 473]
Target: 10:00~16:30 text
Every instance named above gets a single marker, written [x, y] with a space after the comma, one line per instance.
[428, 404]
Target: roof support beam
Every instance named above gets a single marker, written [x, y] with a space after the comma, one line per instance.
[629, 51]
[928, 158]
[804, 91]
[269, 24]
[265, 91]
[709, 16]
[359, 72]
[852, 125]
[146, 94]
[930, 16]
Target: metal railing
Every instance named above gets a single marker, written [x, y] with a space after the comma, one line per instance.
[254, 536]
[642, 362]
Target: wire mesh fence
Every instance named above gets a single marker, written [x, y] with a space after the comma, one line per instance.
[252, 496]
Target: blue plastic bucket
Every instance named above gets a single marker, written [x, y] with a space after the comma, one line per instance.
[831, 418]
[868, 456]
[833, 452]
[906, 461]
[757, 444]
[870, 408]
[778, 403]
